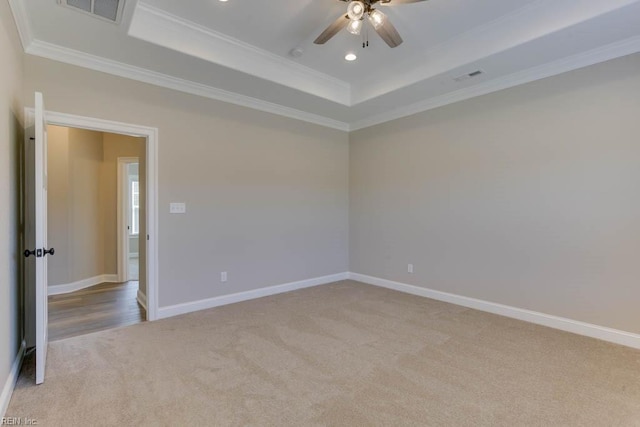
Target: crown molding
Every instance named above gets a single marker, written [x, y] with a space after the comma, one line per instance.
[161, 28]
[73, 57]
[19, 11]
[97, 63]
[574, 62]
[516, 28]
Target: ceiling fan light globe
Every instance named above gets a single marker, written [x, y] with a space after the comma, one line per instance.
[377, 18]
[355, 10]
[355, 27]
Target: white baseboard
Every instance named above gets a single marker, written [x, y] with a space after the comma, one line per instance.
[577, 327]
[142, 299]
[10, 384]
[175, 310]
[82, 284]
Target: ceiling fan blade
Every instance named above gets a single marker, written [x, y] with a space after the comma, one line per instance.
[394, 2]
[389, 34]
[332, 30]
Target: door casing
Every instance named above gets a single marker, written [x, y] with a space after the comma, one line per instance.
[151, 136]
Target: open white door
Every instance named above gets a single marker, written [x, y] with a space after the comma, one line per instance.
[36, 230]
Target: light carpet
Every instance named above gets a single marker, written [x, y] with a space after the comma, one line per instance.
[341, 354]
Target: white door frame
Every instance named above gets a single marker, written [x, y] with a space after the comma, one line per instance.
[151, 136]
[123, 215]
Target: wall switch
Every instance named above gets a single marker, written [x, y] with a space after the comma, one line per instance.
[410, 268]
[223, 277]
[177, 208]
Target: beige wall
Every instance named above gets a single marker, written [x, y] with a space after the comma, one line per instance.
[11, 134]
[122, 146]
[75, 213]
[58, 204]
[527, 197]
[86, 236]
[267, 197]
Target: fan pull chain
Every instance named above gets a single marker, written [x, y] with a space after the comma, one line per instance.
[365, 37]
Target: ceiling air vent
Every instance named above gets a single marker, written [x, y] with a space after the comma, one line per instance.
[111, 10]
[468, 76]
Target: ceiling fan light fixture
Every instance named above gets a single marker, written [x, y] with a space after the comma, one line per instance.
[355, 27]
[377, 18]
[355, 10]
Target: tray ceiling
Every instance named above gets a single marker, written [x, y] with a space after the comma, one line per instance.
[239, 51]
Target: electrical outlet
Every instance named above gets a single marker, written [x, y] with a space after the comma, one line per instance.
[410, 268]
[223, 277]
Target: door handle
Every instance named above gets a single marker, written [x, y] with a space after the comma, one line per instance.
[28, 253]
[37, 253]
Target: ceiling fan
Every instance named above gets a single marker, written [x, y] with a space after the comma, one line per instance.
[357, 10]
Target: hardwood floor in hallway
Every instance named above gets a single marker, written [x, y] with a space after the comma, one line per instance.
[97, 308]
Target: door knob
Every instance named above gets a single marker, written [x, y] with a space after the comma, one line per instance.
[28, 253]
[51, 251]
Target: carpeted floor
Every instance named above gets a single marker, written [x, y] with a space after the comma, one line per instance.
[342, 354]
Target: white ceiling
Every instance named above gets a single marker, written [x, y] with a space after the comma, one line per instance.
[238, 51]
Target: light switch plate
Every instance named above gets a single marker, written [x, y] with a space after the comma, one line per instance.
[177, 208]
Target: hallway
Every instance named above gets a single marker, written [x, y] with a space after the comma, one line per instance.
[100, 307]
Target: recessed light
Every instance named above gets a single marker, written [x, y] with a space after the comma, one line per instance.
[223, 0]
[350, 57]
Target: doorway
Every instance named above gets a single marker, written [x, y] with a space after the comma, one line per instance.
[132, 196]
[89, 290]
[128, 218]
[148, 266]
[130, 227]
